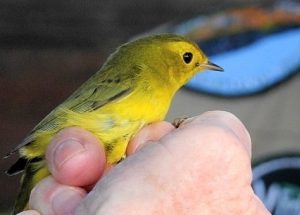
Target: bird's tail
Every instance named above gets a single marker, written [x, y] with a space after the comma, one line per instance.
[34, 171]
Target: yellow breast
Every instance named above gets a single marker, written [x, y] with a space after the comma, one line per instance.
[117, 122]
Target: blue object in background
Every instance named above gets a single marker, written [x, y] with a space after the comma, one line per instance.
[252, 68]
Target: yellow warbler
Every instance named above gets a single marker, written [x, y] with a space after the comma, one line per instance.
[132, 89]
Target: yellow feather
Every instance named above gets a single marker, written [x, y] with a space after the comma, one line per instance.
[134, 87]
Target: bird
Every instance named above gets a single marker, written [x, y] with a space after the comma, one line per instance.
[133, 88]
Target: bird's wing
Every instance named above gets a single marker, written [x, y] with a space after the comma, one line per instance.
[92, 95]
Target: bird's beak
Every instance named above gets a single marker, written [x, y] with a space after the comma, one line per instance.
[211, 66]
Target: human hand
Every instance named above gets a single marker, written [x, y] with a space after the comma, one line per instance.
[203, 167]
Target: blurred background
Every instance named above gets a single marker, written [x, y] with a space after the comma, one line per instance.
[48, 48]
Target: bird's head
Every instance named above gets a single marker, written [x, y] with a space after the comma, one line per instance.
[183, 58]
[171, 58]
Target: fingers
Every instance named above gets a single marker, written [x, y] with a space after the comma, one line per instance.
[216, 141]
[209, 153]
[221, 120]
[49, 197]
[75, 157]
[29, 212]
[204, 165]
[148, 134]
[230, 123]
[214, 151]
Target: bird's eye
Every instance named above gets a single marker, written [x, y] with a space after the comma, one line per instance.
[187, 57]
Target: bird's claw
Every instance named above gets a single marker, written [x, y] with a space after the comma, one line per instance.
[178, 121]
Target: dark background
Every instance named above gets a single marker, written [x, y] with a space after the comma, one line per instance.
[48, 48]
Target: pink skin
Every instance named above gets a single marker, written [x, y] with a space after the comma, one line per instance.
[203, 167]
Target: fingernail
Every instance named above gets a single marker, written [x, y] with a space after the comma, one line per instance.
[66, 201]
[66, 150]
[29, 212]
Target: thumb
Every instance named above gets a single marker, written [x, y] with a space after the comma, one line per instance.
[75, 157]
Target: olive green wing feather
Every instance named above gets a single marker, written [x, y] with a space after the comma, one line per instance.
[92, 95]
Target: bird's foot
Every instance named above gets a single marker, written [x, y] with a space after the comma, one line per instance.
[178, 121]
[122, 158]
